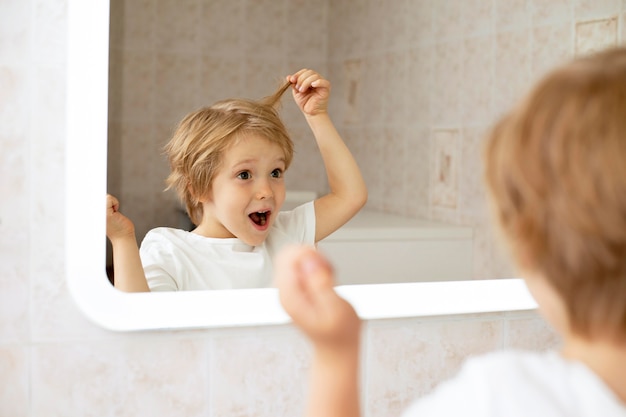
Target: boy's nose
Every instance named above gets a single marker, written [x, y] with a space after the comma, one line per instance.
[264, 190]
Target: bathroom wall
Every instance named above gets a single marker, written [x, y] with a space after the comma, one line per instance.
[421, 81]
[53, 362]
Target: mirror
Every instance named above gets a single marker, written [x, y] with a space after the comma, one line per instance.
[86, 162]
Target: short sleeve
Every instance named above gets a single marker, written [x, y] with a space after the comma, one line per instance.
[158, 263]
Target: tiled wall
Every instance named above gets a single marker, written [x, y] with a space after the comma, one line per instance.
[53, 362]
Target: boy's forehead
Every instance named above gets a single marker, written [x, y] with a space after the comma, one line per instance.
[252, 148]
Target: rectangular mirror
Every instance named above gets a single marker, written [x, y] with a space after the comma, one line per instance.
[87, 111]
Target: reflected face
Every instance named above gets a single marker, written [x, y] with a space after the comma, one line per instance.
[246, 193]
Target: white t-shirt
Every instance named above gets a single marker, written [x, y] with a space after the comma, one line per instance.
[177, 260]
[514, 383]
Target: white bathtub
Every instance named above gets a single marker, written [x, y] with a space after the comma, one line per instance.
[375, 247]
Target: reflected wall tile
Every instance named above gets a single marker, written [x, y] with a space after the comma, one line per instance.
[471, 196]
[552, 46]
[49, 36]
[593, 9]
[444, 168]
[511, 15]
[371, 101]
[147, 375]
[14, 34]
[477, 17]
[407, 358]
[178, 26]
[394, 151]
[395, 93]
[262, 76]
[307, 168]
[136, 86]
[374, 165]
[595, 35]
[416, 160]
[14, 368]
[512, 69]
[265, 29]
[220, 78]
[418, 85]
[420, 25]
[478, 66]
[258, 374]
[551, 12]
[349, 100]
[447, 20]
[222, 29]
[395, 25]
[308, 20]
[447, 84]
[345, 23]
[136, 25]
[176, 86]
[532, 332]
[373, 26]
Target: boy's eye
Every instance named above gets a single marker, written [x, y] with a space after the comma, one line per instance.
[277, 173]
[244, 175]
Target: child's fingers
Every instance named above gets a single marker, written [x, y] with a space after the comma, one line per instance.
[304, 278]
[317, 273]
[287, 277]
[305, 79]
[112, 203]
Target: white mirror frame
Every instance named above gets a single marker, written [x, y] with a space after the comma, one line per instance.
[86, 156]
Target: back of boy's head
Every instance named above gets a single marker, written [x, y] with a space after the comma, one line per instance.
[196, 147]
[556, 172]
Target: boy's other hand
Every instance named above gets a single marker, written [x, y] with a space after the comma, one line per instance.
[118, 225]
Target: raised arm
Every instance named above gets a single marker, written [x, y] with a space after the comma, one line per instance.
[348, 192]
[305, 282]
[129, 275]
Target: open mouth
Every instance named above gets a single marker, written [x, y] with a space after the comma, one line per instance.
[260, 218]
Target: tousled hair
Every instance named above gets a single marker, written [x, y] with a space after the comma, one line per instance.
[556, 172]
[196, 147]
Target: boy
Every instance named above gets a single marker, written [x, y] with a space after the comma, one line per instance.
[227, 165]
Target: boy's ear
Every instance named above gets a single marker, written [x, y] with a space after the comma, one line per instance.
[199, 198]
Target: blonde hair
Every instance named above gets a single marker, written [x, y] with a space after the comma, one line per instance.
[556, 172]
[196, 147]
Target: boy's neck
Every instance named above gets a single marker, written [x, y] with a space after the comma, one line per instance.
[605, 358]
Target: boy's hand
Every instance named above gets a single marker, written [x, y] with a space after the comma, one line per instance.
[310, 91]
[118, 225]
[305, 282]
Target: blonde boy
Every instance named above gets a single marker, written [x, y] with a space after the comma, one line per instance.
[556, 172]
[227, 165]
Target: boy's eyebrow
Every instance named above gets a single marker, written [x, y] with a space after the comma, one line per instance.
[251, 160]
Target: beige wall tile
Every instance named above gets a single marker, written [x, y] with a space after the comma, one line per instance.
[14, 368]
[260, 376]
[138, 376]
[423, 353]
